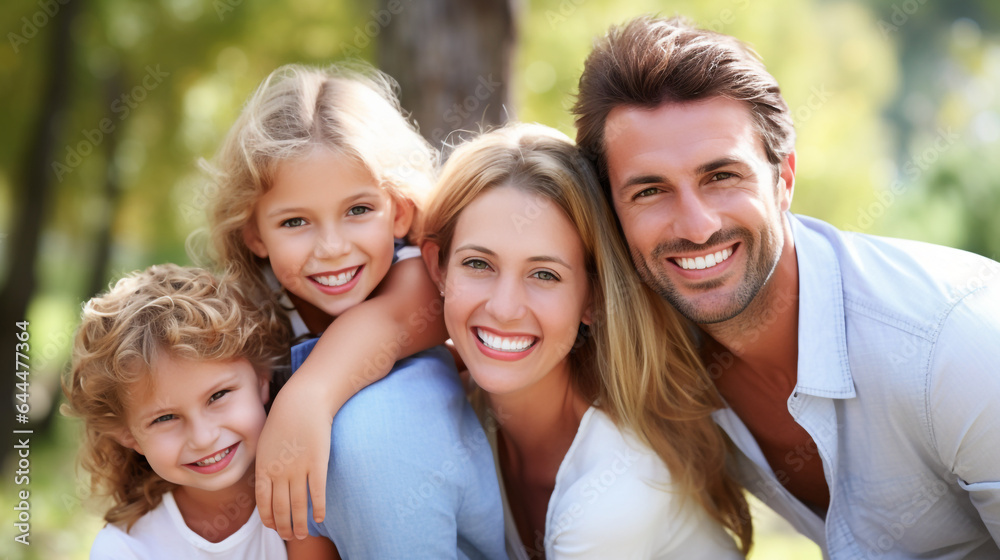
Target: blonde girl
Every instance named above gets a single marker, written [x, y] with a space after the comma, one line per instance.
[319, 181]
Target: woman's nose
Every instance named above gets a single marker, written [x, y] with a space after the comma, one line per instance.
[506, 303]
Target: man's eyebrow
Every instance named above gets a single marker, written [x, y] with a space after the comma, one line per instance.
[716, 164]
[643, 180]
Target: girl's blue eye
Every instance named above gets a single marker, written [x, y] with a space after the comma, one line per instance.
[358, 210]
[163, 418]
[293, 222]
[477, 264]
[217, 395]
[546, 275]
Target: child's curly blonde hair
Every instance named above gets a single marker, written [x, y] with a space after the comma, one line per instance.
[350, 109]
[187, 313]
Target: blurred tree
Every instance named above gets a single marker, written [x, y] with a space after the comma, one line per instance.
[33, 197]
[452, 59]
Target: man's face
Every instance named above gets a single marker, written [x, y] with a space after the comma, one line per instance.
[700, 205]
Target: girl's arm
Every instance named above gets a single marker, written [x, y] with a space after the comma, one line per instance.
[401, 318]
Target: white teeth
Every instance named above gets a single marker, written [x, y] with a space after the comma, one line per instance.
[707, 261]
[336, 279]
[510, 344]
[215, 458]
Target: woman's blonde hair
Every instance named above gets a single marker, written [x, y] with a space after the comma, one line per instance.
[638, 360]
[351, 110]
[187, 313]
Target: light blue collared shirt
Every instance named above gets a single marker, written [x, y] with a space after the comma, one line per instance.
[899, 386]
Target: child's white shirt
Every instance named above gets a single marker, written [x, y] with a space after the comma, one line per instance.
[162, 533]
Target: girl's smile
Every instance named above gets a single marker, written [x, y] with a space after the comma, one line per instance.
[328, 228]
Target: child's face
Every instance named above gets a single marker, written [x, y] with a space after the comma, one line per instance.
[517, 290]
[197, 422]
[328, 230]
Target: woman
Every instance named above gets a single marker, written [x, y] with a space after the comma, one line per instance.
[603, 436]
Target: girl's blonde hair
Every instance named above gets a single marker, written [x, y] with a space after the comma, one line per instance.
[166, 309]
[351, 110]
[638, 360]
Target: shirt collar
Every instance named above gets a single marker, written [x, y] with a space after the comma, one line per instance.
[823, 366]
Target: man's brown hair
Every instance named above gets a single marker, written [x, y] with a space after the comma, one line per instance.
[650, 61]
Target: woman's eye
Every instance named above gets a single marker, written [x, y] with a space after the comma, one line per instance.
[293, 222]
[546, 275]
[163, 418]
[477, 264]
[217, 395]
[358, 210]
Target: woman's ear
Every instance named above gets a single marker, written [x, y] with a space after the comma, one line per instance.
[265, 390]
[251, 236]
[588, 311]
[403, 218]
[431, 254]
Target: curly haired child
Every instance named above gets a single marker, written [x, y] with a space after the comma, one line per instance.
[170, 375]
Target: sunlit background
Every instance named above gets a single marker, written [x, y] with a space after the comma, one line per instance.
[896, 105]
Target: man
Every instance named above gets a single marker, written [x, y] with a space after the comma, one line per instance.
[859, 372]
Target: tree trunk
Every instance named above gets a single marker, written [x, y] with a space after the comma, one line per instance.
[32, 193]
[452, 59]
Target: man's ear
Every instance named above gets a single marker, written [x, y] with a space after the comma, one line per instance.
[125, 438]
[431, 254]
[251, 236]
[403, 218]
[786, 182]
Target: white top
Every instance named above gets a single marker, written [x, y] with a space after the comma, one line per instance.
[162, 533]
[613, 499]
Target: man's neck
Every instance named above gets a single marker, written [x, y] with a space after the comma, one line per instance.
[764, 337]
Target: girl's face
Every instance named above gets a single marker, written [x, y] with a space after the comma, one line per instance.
[328, 230]
[516, 289]
[197, 422]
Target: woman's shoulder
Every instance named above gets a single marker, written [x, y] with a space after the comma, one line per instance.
[614, 494]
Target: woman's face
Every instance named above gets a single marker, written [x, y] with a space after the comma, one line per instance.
[516, 289]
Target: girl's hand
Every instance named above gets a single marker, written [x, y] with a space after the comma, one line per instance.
[292, 457]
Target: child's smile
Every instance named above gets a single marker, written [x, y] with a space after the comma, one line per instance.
[197, 422]
[328, 228]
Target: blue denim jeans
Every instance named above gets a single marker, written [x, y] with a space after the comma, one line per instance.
[411, 473]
